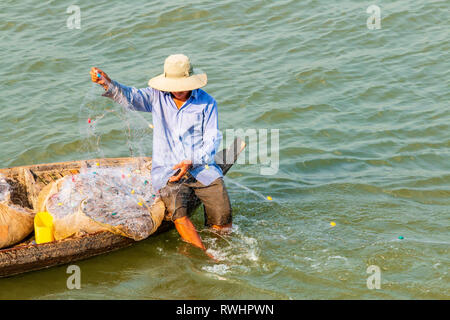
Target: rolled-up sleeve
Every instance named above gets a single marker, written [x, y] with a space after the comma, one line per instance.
[211, 137]
[130, 97]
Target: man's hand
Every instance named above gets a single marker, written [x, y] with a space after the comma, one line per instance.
[103, 80]
[184, 167]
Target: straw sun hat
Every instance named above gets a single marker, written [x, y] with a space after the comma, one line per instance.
[178, 76]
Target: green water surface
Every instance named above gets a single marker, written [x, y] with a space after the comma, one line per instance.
[363, 118]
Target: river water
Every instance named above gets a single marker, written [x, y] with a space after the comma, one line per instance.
[364, 140]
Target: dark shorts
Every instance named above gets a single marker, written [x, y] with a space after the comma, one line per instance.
[178, 198]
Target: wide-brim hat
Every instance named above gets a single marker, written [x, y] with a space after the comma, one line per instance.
[178, 76]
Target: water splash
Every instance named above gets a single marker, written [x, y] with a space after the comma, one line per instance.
[235, 252]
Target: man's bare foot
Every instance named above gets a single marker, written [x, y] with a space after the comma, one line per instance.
[224, 229]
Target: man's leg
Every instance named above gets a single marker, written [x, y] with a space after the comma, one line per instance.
[176, 197]
[188, 233]
[216, 203]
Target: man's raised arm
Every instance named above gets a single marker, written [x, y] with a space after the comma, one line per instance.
[130, 97]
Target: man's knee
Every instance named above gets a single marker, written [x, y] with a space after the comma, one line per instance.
[175, 198]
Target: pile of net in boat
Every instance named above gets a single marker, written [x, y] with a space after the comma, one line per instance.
[115, 199]
[16, 222]
[5, 189]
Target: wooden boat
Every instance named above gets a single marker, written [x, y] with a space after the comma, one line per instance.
[28, 181]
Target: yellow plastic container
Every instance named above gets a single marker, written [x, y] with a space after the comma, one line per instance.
[43, 228]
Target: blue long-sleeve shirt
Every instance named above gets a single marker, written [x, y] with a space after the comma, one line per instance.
[191, 132]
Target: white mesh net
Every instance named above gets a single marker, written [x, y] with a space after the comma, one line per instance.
[4, 189]
[119, 199]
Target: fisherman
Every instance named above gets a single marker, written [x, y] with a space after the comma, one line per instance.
[185, 139]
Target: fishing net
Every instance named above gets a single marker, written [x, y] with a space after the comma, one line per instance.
[115, 199]
[102, 122]
[16, 222]
[5, 189]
